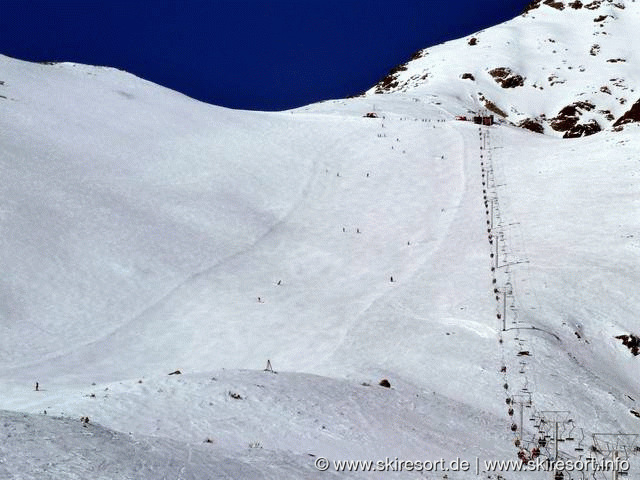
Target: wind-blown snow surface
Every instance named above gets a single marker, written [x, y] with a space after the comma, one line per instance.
[140, 228]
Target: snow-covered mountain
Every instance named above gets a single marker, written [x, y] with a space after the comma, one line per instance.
[562, 68]
[484, 272]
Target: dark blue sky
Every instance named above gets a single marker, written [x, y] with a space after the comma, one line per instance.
[258, 55]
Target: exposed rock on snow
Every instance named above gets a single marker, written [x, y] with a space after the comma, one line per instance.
[554, 44]
[593, 5]
[531, 124]
[492, 107]
[630, 116]
[632, 342]
[506, 78]
[531, 6]
[553, 4]
[390, 81]
[567, 121]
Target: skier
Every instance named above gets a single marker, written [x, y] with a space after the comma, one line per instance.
[37, 387]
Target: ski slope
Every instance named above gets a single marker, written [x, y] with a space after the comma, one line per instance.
[144, 232]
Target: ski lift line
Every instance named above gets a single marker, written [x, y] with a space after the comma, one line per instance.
[509, 264]
[630, 441]
[507, 290]
[552, 416]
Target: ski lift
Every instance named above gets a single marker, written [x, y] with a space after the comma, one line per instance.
[570, 437]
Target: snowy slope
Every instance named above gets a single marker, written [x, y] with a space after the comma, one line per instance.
[565, 68]
[149, 254]
[144, 232]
